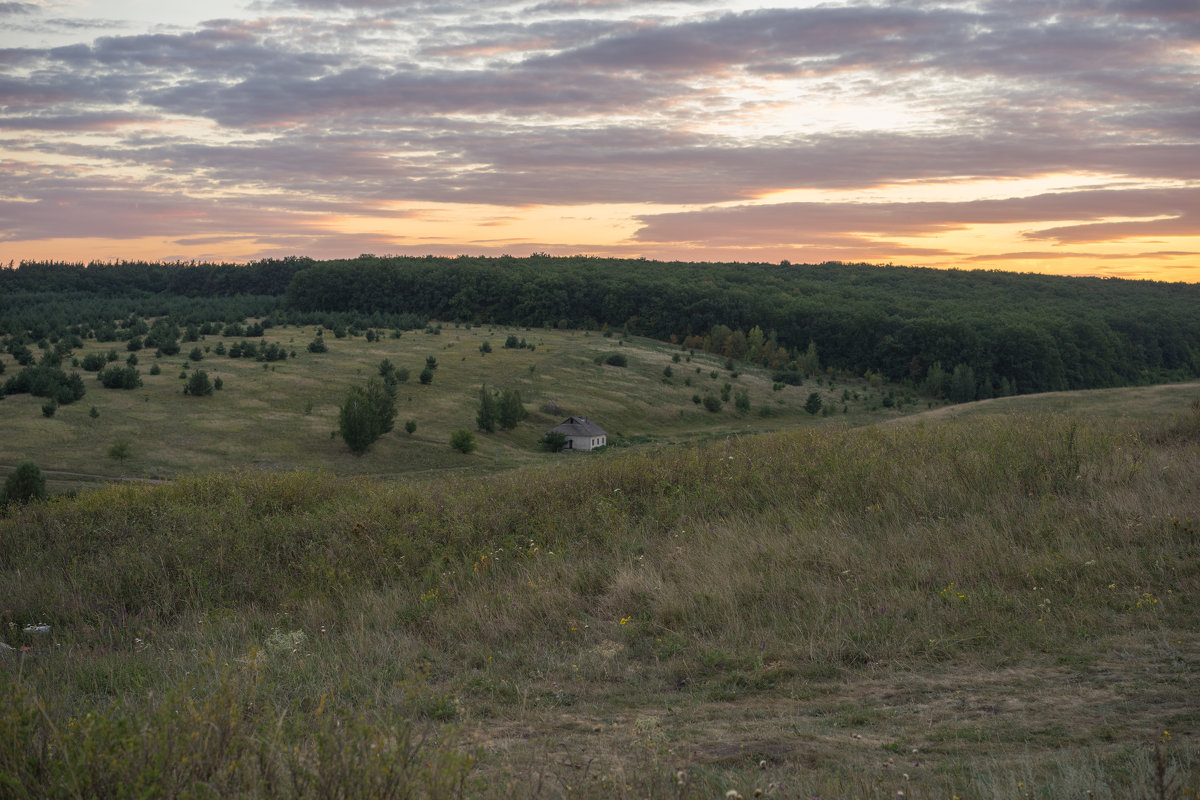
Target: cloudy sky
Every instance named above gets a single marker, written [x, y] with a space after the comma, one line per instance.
[1023, 135]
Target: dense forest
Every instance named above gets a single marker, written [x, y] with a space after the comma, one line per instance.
[958, 334]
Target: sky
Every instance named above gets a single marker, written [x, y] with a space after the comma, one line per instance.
[1053, 137]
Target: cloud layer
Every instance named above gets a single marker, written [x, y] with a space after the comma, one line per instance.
[1069, 128]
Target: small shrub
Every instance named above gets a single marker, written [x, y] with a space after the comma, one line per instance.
[410, 427]
[49, 408]
[463, 440]
[198, 384]
[617, 360]
[24, 483]
[196, 354]
[155, 369]
[317, 345]
[121, 450]
[114, 377]
[93, 362]
[712, 403]
[426, 376]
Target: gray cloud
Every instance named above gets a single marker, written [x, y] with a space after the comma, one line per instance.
[362, 102]
[785, 223]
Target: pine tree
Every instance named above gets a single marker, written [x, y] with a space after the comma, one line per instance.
[485, 418]
[510, 410]
[367, 414]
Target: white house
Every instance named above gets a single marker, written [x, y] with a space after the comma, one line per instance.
[581, 433]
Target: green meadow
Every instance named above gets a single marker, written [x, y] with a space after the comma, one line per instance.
[280, 415]
[992, 600]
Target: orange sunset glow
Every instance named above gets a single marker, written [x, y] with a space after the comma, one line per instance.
[1036, 137]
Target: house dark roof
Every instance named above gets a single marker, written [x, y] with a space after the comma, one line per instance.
[578, 426]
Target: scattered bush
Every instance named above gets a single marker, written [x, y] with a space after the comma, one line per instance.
[788, 378]
[121, 450]
[46, 381]
[813, 404]
[617, 360]
[93, 362]
[25, 483]
[463, 441]
[712, 403]
[198, 384]
[367, 414]
[741, 401]
[114, 377]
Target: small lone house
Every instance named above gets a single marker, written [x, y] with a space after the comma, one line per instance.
[581, 433]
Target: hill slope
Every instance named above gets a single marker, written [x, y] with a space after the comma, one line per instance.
[986, 607]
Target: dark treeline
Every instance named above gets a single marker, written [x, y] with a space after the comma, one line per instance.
[124, 279]
[957, 334]
[961, 334]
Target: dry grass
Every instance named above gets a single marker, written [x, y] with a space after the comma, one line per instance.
[992, 607]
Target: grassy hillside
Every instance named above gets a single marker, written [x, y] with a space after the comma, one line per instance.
[990, 607]
[280, 415]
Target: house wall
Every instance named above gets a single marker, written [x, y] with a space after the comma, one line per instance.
[586, 442]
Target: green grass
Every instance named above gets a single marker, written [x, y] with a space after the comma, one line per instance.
[997, 606]
[280, 417]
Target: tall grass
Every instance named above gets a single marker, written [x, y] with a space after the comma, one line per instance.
[732, 572]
